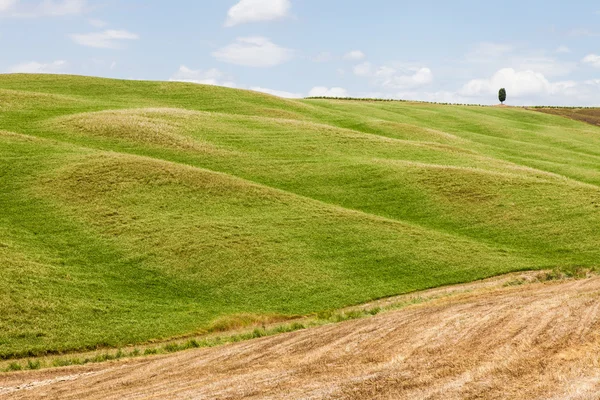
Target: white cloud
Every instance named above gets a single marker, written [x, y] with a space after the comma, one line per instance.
[529, 87]
[364, 69]
[109, 39]
[592, 59]
[6, 5]
[34, 67]
[354, 55]
[254, 51]
[417, 77]
[278, 93]
[44, 8]
[578, 93]
[563, 49]
[321, 91]
[488, 57]
[212, 76]
[518, 83]
[257, 10]
[548, 66]
[395, 76]
[216, 77]
[113, 65]
[565, 93]
[97, 23]
[531, 77]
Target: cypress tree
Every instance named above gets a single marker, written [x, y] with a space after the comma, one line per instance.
[502, 95]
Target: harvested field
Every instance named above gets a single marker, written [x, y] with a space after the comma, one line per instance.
[533, 341]
[589, 115]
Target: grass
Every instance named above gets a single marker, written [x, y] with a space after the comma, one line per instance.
[249, 327]
[244, 332]
[133, 212]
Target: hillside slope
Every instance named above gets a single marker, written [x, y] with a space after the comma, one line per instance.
[132, 211]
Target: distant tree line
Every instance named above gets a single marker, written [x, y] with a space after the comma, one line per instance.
[433, 102]
[394, 100]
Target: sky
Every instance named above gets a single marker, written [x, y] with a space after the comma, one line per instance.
[542, 52]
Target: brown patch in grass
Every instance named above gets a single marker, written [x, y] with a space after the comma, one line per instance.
[162, 127]
[280, 114]
[15, 100]
[414, 132]
[587, 115]
[239, 321]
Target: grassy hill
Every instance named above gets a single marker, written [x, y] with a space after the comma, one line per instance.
[132, 211]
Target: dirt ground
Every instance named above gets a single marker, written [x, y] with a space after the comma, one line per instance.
[534, 341]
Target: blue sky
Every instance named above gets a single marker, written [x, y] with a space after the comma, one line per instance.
[543, 52]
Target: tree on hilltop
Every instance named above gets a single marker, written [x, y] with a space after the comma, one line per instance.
[502, 95]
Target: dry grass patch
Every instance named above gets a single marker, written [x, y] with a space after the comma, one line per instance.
[163, 127]
[239, 321]
[414, 132]
[17, 100]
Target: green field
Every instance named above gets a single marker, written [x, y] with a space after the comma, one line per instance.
[133, 211]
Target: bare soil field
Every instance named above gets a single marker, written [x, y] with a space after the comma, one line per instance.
[589, 115]
[529, 341]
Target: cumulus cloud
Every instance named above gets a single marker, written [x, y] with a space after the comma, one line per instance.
[44, 8]
[564, 93]
[6, 5]
[256, 51]
[109, 39]
[487, 57]
[592, 59]
[530, 76]
[354, 55]
[206, 77]
[34, 67]
[529, 87]
[573, 93]
[518, 83]
[395, 77]
[492, 54]
[547, 66]
[322, 91]
[278, 93]
[257, 10]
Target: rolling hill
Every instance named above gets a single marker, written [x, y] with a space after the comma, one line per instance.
[133, 211]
